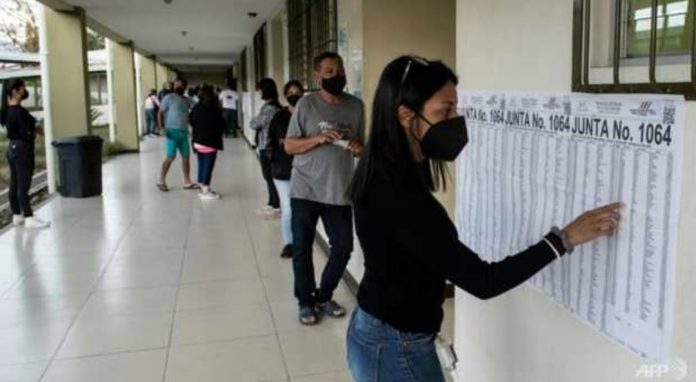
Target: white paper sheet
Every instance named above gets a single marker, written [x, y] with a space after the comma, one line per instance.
[539, 160]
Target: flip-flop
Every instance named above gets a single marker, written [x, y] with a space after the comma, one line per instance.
[192, 186]
[162, 187]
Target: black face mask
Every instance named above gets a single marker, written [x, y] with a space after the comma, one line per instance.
[293, 99]
[179, 91]
[334, 85]
[445, 140]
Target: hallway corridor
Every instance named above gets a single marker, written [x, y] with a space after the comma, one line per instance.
[140, 285]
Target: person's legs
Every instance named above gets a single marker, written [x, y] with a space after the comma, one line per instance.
[21, 159]
[227, 116]
[150, 121]
[338, 221]
[283, 187]
[234, 123]
[304, 224]
[268, 177]
[202, 159]
[170, 146]
[212, 158]
[185, 151]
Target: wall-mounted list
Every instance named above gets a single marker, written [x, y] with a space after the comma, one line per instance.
[539, 160]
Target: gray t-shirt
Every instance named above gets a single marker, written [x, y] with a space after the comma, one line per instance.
[324, 174]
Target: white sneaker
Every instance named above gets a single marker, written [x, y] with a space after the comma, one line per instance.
[208, 196]
[264, 211]
[34, 222]
[17, 220]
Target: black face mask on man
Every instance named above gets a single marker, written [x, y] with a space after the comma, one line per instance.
[335, 84]
[179, 90]
[445, 139]
[25, 94]
[293, 99]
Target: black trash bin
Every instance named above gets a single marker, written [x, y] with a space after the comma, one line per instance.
[80, 166]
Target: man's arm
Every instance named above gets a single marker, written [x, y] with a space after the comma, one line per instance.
[160, 119]
[298, 146]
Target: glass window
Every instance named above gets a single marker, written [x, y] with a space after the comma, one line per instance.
[674, 27]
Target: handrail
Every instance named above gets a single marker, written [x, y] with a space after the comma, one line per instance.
[38, 183]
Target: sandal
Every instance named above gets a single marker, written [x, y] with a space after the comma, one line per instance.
[192, 186]
[162, 187]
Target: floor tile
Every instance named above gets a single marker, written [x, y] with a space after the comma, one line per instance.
[339, 376]
[221, 293]
[223, 323]
[22, 373]
[314, 352]
[99, 334]
[245, 360]
[147, 366]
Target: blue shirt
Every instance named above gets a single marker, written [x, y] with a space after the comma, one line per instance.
[176, 111]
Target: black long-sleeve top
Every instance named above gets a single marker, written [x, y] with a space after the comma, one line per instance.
[411, 247]
[281, 161]
[21, 126]
[208, 125]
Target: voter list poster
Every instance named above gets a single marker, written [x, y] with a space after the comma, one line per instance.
[539, 160]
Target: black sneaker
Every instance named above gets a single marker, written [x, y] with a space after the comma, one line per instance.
[331, 309]
[308, 316]
[287, 252]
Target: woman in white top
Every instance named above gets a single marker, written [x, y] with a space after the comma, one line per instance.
[152, 104]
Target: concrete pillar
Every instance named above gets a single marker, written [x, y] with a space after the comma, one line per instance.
[64, 79]
[161, 74]
[146, 72]
[395, 27]
[124, 96]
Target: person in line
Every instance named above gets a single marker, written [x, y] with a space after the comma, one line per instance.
[281, 162]
[192, 95]
[21, 133]
[410, 245]
[166, 90]
[174, 118]
[260, 124]
[152, 105]
[229, 100]
[326, 132]
[208, 128]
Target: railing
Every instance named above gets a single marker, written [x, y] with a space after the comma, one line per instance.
[38, 183]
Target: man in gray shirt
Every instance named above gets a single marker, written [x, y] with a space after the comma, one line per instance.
[326, 132]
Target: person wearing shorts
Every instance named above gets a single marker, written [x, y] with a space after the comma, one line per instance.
[174, 117]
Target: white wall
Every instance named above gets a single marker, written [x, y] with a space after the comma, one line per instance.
[524, 336]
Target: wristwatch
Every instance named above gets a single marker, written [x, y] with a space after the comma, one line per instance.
[564, 239]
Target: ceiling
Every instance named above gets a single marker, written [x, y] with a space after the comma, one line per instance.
[216, 30]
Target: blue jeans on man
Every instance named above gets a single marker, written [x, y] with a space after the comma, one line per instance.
[338, 222]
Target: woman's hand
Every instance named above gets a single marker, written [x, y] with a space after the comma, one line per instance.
[593, 224]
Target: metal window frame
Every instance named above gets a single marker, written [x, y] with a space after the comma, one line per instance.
[312, 29]
[581, 56]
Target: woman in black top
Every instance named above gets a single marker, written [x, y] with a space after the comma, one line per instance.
[208, 128]
[410, 245]
[21, 133]
[281, 161]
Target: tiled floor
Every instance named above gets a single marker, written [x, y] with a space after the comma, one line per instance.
[143, 286]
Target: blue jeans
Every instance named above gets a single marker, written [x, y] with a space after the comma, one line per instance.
[283, 187]
[151, 121]
[230, 117]
[206, 163]
[338, 221]
[377, 352]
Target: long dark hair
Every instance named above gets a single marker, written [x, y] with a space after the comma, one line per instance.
[206, 96]
[408, 81]
[8, 86]
[269, 91]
